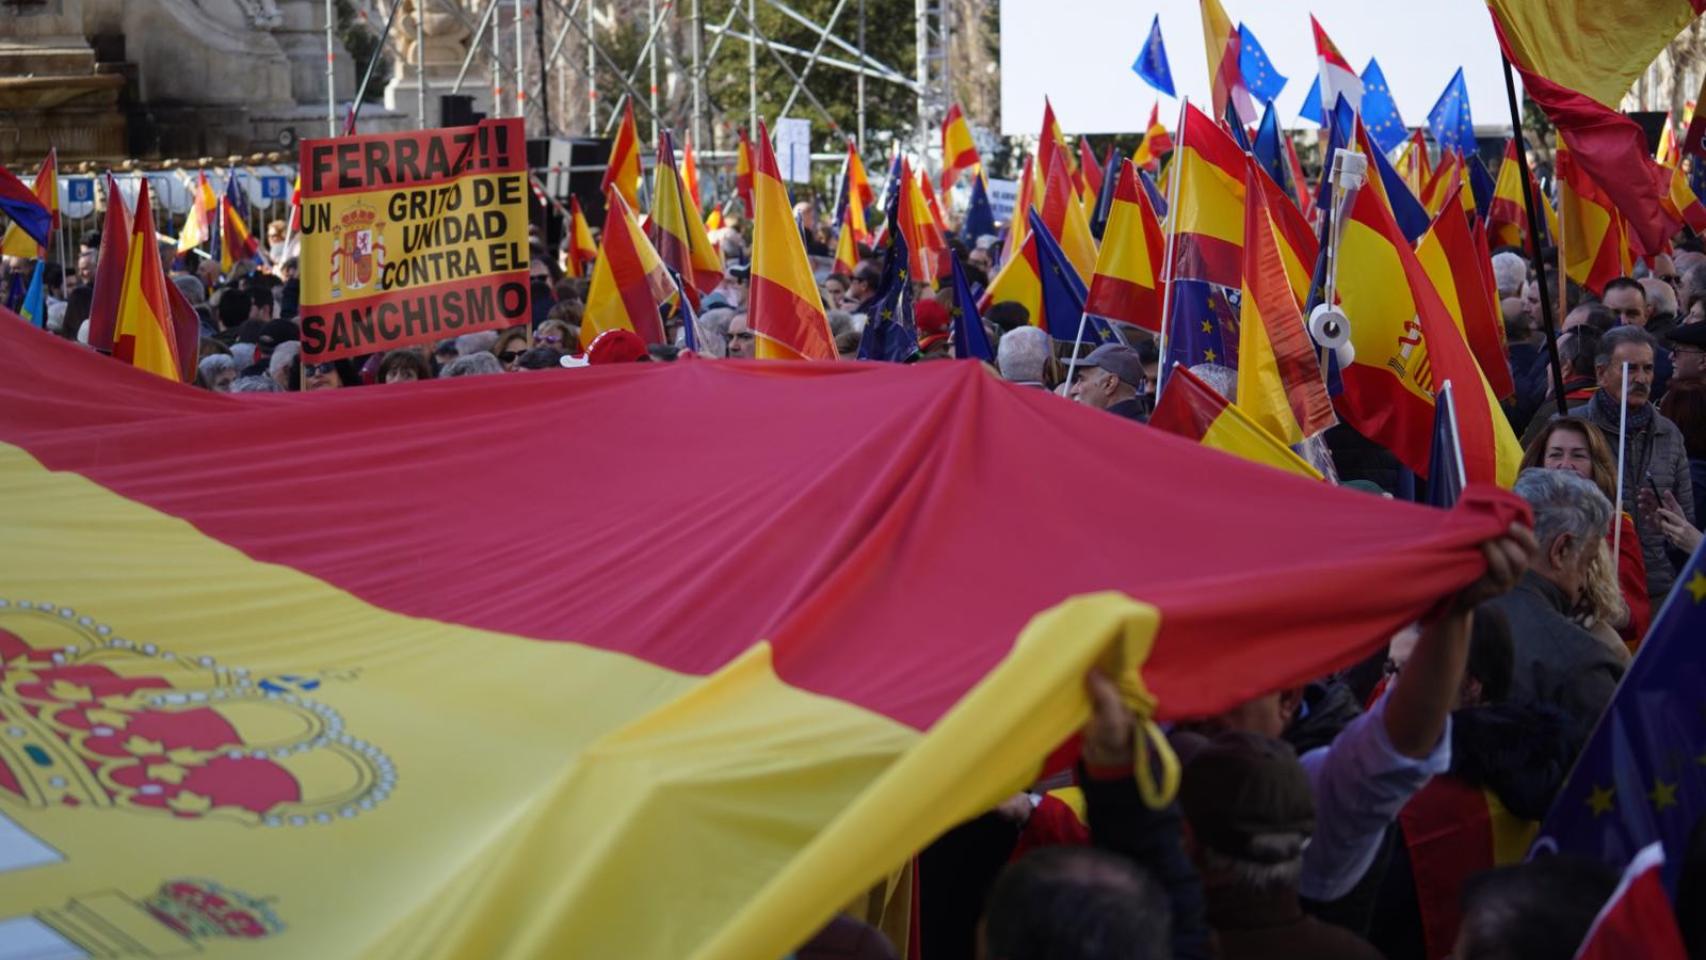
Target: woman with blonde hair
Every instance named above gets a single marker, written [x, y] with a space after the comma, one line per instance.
[1617, 593]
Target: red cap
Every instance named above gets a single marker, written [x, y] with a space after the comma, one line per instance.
[933, 323]
[617, 346]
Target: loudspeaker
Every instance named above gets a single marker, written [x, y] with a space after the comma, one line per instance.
[457, 110]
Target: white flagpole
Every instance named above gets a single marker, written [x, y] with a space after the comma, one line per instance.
[1622, 445]
[1167, 257]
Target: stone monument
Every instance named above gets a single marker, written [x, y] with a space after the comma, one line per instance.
[441, 27]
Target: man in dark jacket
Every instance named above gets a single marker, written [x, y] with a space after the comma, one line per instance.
[1252, 812]
[1111, 378]
[1655, 461]
[1555, 661]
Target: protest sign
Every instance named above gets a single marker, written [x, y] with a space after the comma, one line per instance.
[412, 237]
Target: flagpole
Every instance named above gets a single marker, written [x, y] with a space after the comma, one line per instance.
[1528, 199]
[1622, 445]
[1167, 256]
[331, 70]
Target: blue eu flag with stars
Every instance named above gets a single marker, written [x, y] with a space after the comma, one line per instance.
[1642, 775]
[1379, 110]
[890, 331]
[1064, 292]
[1260, 77]
[1204, 324]
[1151, 64]
[1452, 126]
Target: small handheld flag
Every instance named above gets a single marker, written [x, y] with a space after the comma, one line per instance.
[35, 300]
[1263, 81]
[1379, 110]
[1151, 64]
[1337, 78]
[971, 340]
[1449, 119]
[980, 216]
[34, 210]
[889, 331]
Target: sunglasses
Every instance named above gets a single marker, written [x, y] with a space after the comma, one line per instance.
[510, 356]
[321, 370]
[551, 339]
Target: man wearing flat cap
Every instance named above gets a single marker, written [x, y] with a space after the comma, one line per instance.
[1111, 378]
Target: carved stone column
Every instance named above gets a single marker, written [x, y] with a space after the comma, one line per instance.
[446, 38]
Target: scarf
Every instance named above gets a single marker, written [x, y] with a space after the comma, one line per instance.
[1605, 410]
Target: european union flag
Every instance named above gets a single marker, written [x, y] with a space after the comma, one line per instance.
[1312, 109]
[1151, 64]
[1268, 151]
[1235, 126]
[1642, 775]
[1379, 110]
[890, 333]
[689, 318]
[1412, 217]
[1452, 126]
[1204, 324]
[971, 340]
[1064, 292]
[980, 216]
[1260, 77]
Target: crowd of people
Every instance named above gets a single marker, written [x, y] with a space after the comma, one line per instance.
[1312, 822]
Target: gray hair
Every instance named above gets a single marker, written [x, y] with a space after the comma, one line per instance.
[840, 322]
[1617, 337]
[283, 356]
[256, 385]
[244, 354]
[713, 331]
[191, 288]
[472, 365]
[214, 364]
[1510, 272]
[471, 343]
[1224, 380]
[1023, 354]
[1661, 296]
[1564, 503]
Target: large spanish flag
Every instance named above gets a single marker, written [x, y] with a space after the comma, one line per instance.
[143, 334]
[629, 283]
[350, 730]
[1595, 240]
[1064, 216]
[786, 308]
[959, 151]
[1461, 270]
[675, 228]
[1192, 409]
[1407, 348]
[1279, 375]
[1126, 283]
[623, 169]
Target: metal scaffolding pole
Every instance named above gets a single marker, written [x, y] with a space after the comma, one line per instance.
[811, 61]
[652, 62]
[420, 65]
[474, 45]
[634, 74]
[808, 23]
[921, 60]
[752, 68]
[497, 68]
[696, 122]
[521, 63]
[538, 14]
[860, 77]
[591, 70]
[759, 37]
[331, 69]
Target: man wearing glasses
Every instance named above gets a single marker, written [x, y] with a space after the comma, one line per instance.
[1688, 351]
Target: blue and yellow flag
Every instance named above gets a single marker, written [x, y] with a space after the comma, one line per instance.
[1642, 775]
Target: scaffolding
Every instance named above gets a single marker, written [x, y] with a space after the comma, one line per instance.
[670, 83]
